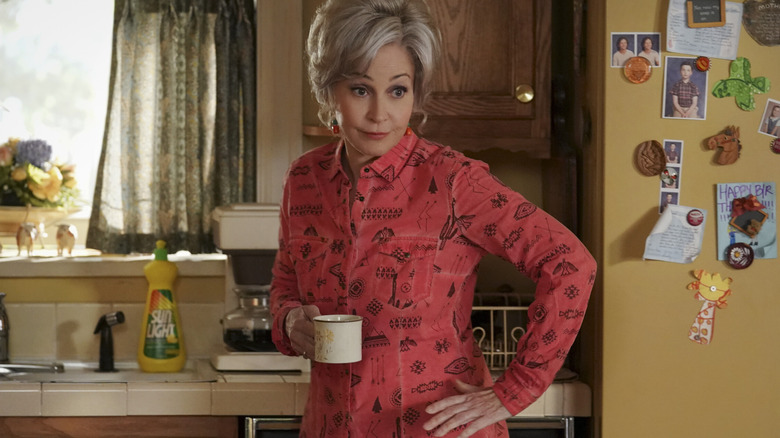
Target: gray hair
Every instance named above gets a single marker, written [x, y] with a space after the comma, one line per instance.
[346, 35]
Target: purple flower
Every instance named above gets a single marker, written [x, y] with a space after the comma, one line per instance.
[35, 152]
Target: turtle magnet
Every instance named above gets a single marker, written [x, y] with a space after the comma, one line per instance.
[650, 158]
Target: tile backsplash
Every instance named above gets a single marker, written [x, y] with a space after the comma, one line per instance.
[54, 305]
[65, 331]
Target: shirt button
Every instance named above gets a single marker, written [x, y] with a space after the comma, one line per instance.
[366, 170]
[361, 199]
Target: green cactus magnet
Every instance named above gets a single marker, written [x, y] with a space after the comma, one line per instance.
[741, 85]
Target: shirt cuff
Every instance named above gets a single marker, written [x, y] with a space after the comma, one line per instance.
[279, 334]
[517, 390]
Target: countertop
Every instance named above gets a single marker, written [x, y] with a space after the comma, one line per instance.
[212, 393]
[217, 393]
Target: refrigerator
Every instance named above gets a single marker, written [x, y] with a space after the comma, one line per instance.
[650, 378]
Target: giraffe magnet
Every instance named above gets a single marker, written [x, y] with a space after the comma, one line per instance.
[713, 290]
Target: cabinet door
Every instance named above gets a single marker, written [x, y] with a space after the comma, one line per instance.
[491, 51]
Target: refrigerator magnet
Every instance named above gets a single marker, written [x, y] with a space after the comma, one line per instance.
[728, 145]
[740, 255]
[713, 290]
[747, 215]
[741, 85]
[650, 158]
[637, 69]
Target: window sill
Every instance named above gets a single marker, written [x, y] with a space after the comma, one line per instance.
[45, 263]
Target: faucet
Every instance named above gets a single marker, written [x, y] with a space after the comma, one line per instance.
[54, 367]
[107, 340]
[9, 368]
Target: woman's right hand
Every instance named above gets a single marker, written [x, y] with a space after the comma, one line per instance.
[299, 325]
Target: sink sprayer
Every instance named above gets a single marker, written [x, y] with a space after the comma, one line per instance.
[107, 340]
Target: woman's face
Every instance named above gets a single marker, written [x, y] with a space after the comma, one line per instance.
[648, 44]
[622, 44]
[374, 109]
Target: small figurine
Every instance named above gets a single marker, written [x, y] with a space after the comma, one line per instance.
[728, 141]
[25, 237]
[66, 238]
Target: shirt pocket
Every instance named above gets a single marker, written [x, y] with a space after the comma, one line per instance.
[404, 270]
[309, 255]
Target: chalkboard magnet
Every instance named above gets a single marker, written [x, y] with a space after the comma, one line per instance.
[706, 13]
[747, 215]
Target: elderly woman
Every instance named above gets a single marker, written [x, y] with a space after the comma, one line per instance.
[386, 225]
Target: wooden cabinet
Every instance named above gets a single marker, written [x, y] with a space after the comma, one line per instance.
[124, 427]
[494, 54]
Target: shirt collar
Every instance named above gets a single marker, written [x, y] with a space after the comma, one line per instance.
[388, 166]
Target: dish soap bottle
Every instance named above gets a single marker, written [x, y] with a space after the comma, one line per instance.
[161, 348]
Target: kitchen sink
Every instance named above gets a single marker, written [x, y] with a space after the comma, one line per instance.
[85, 372]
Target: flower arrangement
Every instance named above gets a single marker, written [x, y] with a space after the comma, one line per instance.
[28, 176]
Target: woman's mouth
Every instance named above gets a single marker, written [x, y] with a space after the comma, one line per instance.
[375, 135]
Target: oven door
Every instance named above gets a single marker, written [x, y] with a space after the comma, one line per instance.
[271, 427]
[546, 427]
[289, 427]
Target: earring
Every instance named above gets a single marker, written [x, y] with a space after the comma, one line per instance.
[334, 126]
[408, 130]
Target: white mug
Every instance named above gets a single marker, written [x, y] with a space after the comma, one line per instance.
[338, 338]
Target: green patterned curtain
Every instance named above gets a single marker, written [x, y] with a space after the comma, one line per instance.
[180, 128]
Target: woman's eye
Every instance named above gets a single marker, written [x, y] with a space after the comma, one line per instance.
[399, 92]
[359, 91]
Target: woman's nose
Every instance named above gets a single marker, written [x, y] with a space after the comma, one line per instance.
[377, 110]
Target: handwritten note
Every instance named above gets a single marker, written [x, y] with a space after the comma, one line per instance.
[716, 42]
[677, 236]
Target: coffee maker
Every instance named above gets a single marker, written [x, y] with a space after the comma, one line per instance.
[248, 234]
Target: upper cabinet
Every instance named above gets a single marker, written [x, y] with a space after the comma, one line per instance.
[492, 88]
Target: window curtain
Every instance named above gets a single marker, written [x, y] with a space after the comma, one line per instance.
[180, 127]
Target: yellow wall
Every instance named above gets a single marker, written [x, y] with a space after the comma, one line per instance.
[654, 381]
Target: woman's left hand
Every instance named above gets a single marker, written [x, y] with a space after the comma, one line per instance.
[476, 406]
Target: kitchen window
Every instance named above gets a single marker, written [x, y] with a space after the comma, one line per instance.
[55, 59]
[37, 18]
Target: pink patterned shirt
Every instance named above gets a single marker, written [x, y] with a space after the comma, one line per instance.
[405, 259]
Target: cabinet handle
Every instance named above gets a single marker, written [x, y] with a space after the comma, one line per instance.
[524, 93]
